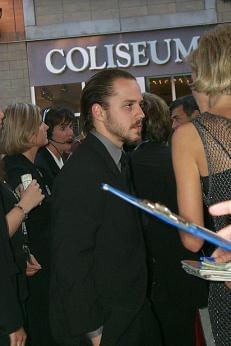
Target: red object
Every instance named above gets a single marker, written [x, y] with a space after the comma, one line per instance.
[199, 335]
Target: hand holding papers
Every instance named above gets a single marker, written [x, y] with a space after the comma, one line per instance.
[208, 270]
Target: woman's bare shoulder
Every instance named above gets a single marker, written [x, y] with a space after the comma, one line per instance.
[184, 131]
[186, 136]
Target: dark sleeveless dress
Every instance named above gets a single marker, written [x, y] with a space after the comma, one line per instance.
[215, 133]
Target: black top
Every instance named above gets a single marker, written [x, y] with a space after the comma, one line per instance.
[46, 163]
[38, 221]
[215, 134]
[17, 241]
[10, 313]
[154, 179]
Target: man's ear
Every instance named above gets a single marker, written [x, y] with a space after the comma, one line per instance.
[97, 112]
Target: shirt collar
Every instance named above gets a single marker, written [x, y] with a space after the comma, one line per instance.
[113, 150]
[59, 161]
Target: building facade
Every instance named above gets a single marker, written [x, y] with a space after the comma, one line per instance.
[49, 48]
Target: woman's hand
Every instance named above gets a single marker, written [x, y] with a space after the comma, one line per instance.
[96, 340]
[18, 338]
[221, 255]
[33, 266]
[31, 197]
[222, 209]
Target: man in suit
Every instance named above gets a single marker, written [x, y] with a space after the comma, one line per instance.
[98, 283]
[170, 288]
[183, 109]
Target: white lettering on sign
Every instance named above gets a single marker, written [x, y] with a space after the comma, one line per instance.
[138, 51]
[154, 53]
[83, 54]
[124, 55]
[50, 66]
[180, 48]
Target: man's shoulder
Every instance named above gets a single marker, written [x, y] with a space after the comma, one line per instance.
[150, 153]
[84, 162]
[90, 152]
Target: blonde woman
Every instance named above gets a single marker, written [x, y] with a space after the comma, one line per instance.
[202, 156]
[13, 207]
[22, 134]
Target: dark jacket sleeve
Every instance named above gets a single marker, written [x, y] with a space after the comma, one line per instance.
[10, 312]
[74, 229]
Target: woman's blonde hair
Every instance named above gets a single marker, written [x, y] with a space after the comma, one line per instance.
[211, 62]
[21, 121]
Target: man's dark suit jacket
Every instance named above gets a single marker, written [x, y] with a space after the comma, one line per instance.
[46, 163]
[171, 288]
[10, 312]
[98, 274]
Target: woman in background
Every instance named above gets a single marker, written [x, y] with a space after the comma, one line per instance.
[202, 157]
[170, 287]
[49, 159]
[23, 133]
[11, 288]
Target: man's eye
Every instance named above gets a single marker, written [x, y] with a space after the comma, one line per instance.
[129, 105]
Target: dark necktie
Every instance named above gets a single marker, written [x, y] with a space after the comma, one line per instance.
[125, 170]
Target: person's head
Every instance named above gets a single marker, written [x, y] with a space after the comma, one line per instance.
[22, 129]
[183, 109]
[60, 121]
[157, 122]
[211, 64]
[110, 104]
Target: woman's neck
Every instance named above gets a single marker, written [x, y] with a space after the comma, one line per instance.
[53, 148]
[220, 105]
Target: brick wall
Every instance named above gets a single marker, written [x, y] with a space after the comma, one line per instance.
[224, 11]
[46, 19]
[14, 86]
[11, 22]
[62, 11]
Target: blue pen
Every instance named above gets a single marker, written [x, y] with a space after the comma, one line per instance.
[209, 259]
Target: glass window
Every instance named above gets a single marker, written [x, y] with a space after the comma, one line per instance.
[67, 95]
[160, 86]
[169, 88]
[182, 85]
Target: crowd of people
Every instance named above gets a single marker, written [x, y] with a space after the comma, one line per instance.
[81, 267]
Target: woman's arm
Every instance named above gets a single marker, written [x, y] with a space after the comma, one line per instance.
[30, 198]
[185, 151]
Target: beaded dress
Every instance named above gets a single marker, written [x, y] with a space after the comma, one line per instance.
[215, 133]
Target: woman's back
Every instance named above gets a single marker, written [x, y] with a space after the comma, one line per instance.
[215, 133]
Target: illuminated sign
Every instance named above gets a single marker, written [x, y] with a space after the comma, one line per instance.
[148, 53]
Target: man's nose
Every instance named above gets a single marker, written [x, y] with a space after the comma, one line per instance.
[140, 112]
